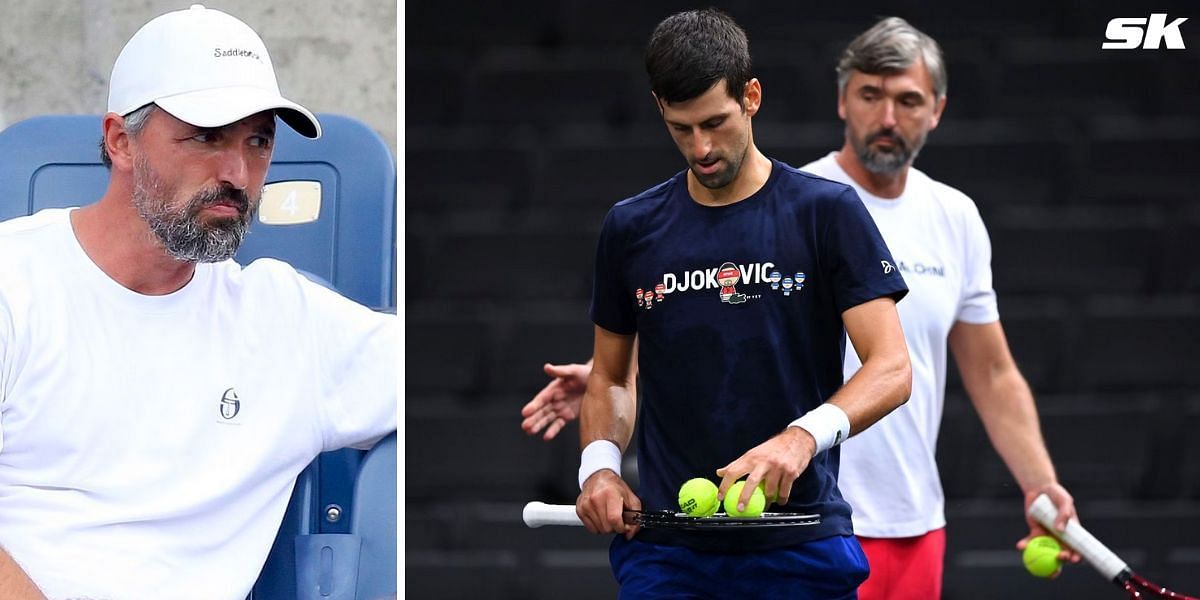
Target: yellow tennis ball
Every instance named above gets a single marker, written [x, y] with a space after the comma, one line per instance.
[1041, 556]
[698, 497]
[754, 506]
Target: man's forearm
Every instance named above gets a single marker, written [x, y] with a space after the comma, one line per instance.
[608, 412]
[1006, 407]
[884, 381]
[1003, 400]
[879, 387]
[14, 583]
[609, 407]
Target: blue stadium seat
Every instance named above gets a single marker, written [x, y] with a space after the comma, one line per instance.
[348, 244]
[360, 563]
[373, 519]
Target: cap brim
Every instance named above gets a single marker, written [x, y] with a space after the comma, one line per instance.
[222, 106]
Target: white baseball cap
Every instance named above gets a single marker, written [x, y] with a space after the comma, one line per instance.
[206, 68]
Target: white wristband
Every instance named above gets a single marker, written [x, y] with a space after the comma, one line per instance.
[600, 454]
[828, 425]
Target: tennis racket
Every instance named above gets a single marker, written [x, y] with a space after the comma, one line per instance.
[537, 514]
[1098, 555]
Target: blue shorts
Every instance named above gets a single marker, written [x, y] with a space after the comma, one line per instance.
[827, 569]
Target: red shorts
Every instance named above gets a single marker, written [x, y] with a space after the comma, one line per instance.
[904, 568]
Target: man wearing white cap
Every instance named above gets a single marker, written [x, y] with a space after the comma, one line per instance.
[157, 400]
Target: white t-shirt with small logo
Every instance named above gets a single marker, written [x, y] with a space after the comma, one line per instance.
[149, 444]
[888, 472]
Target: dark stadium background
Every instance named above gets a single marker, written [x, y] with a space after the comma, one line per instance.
[526, 121]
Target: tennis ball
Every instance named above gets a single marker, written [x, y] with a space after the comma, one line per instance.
[698, 497]
[754, 506]
[1041, 556]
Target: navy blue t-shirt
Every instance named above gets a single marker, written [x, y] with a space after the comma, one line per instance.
[738, 315]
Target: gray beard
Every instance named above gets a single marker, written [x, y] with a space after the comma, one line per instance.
[883, 163]
[886, 163]
[180, 232]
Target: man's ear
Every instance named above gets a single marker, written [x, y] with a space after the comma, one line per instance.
[117, 142]
[752, 96]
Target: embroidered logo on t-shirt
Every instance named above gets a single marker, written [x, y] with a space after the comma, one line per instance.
[727, 279]
[887, 267]
[230, 404]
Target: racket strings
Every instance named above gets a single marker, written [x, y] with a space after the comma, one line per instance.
[670, 520]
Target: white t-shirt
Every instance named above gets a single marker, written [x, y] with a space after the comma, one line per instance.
[149, 444]
[888, 472]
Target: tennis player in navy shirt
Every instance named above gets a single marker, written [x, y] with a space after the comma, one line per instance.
[763, 271]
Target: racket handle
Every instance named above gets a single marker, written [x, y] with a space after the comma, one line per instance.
[1090, 548]
[537, 514]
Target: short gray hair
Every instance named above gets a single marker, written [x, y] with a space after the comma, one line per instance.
[892, 45]
[134, 122]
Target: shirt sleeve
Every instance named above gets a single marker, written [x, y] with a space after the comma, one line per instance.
[978, 302]
[612, 302]
[358, 368]
[859, 264]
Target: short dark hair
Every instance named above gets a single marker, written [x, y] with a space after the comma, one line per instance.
[692, 50]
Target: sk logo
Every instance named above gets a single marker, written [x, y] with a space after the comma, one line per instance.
[1129, 33]
[230, 405]
[887, 267]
